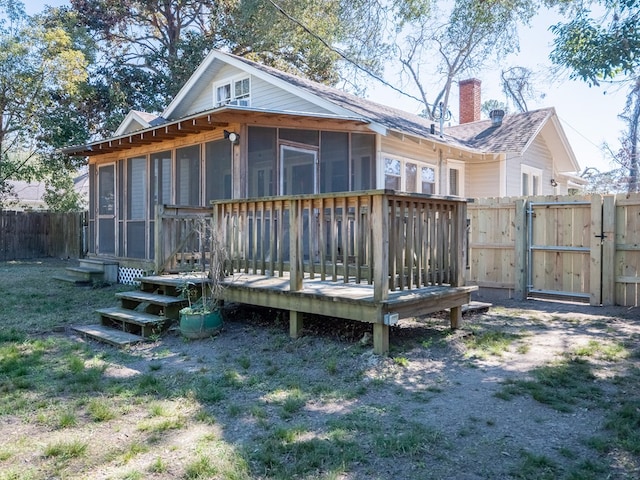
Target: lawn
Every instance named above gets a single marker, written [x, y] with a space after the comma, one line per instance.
[524, 391]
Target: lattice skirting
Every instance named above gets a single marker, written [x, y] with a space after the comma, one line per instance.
[127, 275]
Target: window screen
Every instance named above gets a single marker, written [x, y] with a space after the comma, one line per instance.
[362, 153]
[160, 184]
[188, 175]
[262, 159]
[136, 188]
[334, 162]
[218, 168]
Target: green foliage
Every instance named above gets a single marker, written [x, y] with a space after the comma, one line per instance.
[597, 49]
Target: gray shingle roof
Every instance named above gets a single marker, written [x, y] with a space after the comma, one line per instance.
[389, 117]
[513, 135]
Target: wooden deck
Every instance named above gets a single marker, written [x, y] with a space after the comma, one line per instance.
[375, 256]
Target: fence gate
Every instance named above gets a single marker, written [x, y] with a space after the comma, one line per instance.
[564, 249]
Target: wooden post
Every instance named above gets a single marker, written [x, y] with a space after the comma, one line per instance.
[455, 317]
[520, 234]
[460, 245]
[158, 240]
[380, 227]
[608, 250]
[295, 273]
[295, 323]
[595, 261]
[380, 338]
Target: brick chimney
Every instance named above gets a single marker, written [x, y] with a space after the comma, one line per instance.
[470, 102]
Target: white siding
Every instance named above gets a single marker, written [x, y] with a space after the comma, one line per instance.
[263, 94]
[482, 179]
[269, 97]
[537, 156]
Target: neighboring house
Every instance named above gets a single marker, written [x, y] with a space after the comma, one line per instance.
[29, 195]
[239, 129]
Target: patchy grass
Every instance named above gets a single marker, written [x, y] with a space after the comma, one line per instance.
[252, 403]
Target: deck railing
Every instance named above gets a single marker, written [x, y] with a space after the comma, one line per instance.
[392, 240]
[178, 243]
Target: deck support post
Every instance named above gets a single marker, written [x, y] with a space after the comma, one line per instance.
[295, 323]
[455, 317]
[380, 338]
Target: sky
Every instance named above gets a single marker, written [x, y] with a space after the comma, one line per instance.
[589, 116]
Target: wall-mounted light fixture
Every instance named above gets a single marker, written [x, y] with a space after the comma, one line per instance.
[554, 183]
[233, 137]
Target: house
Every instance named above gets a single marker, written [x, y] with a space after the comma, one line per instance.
[239, 129]
[526, 153]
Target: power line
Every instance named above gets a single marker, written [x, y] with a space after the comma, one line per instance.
[344, 55]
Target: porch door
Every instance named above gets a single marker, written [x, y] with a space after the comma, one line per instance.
[106, 202]
[298, 170]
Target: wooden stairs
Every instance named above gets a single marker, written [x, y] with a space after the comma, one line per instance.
[142, 313]
[90, 271]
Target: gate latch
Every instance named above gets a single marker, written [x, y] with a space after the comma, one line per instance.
[601, 237]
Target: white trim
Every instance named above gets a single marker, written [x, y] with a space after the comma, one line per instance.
[531, 172]
[459, 166]
[420, 164]
[232, 100]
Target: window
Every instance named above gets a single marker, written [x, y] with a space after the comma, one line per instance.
[428, 178]
[392, 179]
[235, 92]
[531, 183]
[411, 177]
[455, 175]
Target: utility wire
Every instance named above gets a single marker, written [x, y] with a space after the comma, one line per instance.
[342, 54]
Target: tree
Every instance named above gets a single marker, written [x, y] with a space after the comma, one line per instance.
[597, 49]
[149, 48]
[471, 34]
[38, 67]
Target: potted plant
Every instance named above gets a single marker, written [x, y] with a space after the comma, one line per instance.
[203, 316]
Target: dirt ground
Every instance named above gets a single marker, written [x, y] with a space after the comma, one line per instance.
[441, 405]
[433, 379]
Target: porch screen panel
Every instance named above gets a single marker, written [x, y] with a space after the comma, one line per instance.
[262, 158]
[92, 209]
[188, 175]
[121, 207]
[136, 206]
[160, 184]
[218, 170]
[159, 189]
[362, 156]
[334, 162]
[306, 137]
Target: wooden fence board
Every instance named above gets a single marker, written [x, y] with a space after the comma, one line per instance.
[607, 228]
[25, 235]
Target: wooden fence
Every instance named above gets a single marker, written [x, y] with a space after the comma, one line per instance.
[25, 235]
[576, 247]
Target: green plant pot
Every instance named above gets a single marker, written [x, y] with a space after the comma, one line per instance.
[200, 325]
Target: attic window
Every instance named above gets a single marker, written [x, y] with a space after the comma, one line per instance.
[234, 92]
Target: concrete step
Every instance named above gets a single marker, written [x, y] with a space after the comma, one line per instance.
[108, 335]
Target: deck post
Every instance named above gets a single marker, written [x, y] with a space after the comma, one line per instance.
[455, 317]
[295, 323]
[380, 227]
[380, 338]
[295, 255]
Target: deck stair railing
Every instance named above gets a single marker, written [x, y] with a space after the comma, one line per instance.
[180, 244]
